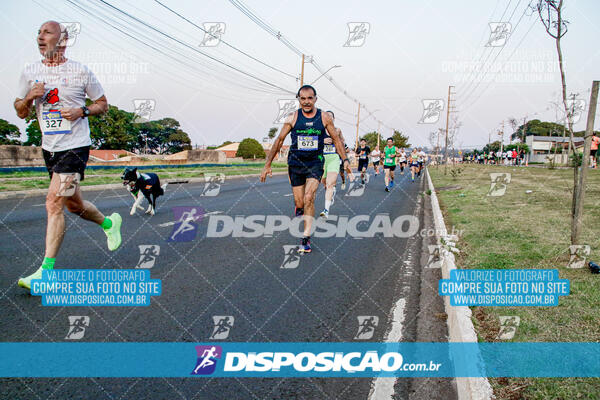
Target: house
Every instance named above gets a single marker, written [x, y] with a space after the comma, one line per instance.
[543, 147]
[109, 155]
[546, 144]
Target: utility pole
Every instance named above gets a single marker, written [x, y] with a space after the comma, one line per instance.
[447, 122]
[302, 72]
[580, 188]
[378, 130]
[357, 123]
[437, 149]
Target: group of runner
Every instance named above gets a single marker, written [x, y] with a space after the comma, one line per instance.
[318, 154]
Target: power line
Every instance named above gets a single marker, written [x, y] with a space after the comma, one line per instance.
[225, 42]
[193, 48]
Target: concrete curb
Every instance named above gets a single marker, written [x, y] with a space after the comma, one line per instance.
[33, 192]
[460, 326]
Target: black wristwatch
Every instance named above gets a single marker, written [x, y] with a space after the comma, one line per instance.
[344, 160]
[86, 111]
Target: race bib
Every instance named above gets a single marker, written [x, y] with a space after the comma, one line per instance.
[54, 124]
[308, 143]
[389, 161]
[329, 149]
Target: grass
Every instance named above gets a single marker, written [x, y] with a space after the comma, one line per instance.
[520, 230]
[39, 180]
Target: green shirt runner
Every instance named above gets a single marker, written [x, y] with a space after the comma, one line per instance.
[390, 154]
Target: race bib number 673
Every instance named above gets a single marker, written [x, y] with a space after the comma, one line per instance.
[54, 124]
[308, 143]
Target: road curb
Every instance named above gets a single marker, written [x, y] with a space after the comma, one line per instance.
[33, 192]
[460, 326]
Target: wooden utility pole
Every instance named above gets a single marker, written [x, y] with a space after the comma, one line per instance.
[357, 124]
[580, 188]
[447, 122]
[302, 72]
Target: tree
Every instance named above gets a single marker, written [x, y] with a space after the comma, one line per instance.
[113, 130]
[225, 143]
[178, 141]
[9, 133]
[494, 146]
[250, 148]
[536, 127]
[400, 140]
[371, 139]
[33, 131]
[272, 132]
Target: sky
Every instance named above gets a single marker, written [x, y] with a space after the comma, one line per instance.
[412, 52]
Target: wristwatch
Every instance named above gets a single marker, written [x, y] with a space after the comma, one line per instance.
[344, 160]
[86, 111]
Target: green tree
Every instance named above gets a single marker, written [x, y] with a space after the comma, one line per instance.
[178, 141]
[225, 143]
[34, 133]
[250, 148]
[9, 133]
[272, 132]
[538, 128]
[494, 146]
[112, 130]
[371, 139]
[400, 140]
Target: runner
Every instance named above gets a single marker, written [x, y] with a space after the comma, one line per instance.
[58, 87]
[389, 163]
[363, 159]
[307, 126]
[594, 149]
[332, 163]
[421, 160]
[413, 160]
[375, 159]
[402, 160]
[342, 171]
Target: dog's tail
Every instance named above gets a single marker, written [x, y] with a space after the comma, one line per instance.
[162, 188]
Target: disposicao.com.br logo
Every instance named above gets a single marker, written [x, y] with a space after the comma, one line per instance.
[302, 361]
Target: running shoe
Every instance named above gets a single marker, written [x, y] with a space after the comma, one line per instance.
[299, 211]
[412, 179]
[362, 181]
[387, 189]
[343, 185]
[325, 213]
[305, 246]
[26, 282]
[113, 234]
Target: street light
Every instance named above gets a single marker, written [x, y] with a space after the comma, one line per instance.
[335, 66]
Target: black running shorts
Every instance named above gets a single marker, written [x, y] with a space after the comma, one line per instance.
[67, 161]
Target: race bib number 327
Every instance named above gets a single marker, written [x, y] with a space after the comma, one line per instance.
[54, 124]
[308, 143]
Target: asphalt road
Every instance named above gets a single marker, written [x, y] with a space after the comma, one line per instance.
[319, 300]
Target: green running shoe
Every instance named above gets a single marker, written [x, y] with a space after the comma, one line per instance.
[113, 234]
[26, 282]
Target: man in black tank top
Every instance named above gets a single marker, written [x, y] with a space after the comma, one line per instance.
[305, 160]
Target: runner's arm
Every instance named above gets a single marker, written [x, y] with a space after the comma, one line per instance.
[288, 124]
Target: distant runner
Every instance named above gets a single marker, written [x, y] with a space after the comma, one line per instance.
[402, 160]
[332, 167]
[363, 159]
[375, 159]
[389, 163]
[413, 160]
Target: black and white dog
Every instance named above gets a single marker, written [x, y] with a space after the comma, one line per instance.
[142, 185]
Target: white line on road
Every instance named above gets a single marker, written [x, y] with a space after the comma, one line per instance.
[174, 222]
[288, 195]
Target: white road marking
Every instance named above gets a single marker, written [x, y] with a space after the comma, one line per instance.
[174, 222]
[383, 388]
[288, 195]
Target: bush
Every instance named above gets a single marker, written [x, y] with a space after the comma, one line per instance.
[250, 148]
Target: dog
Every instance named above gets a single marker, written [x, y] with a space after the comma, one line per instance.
[142, 185]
